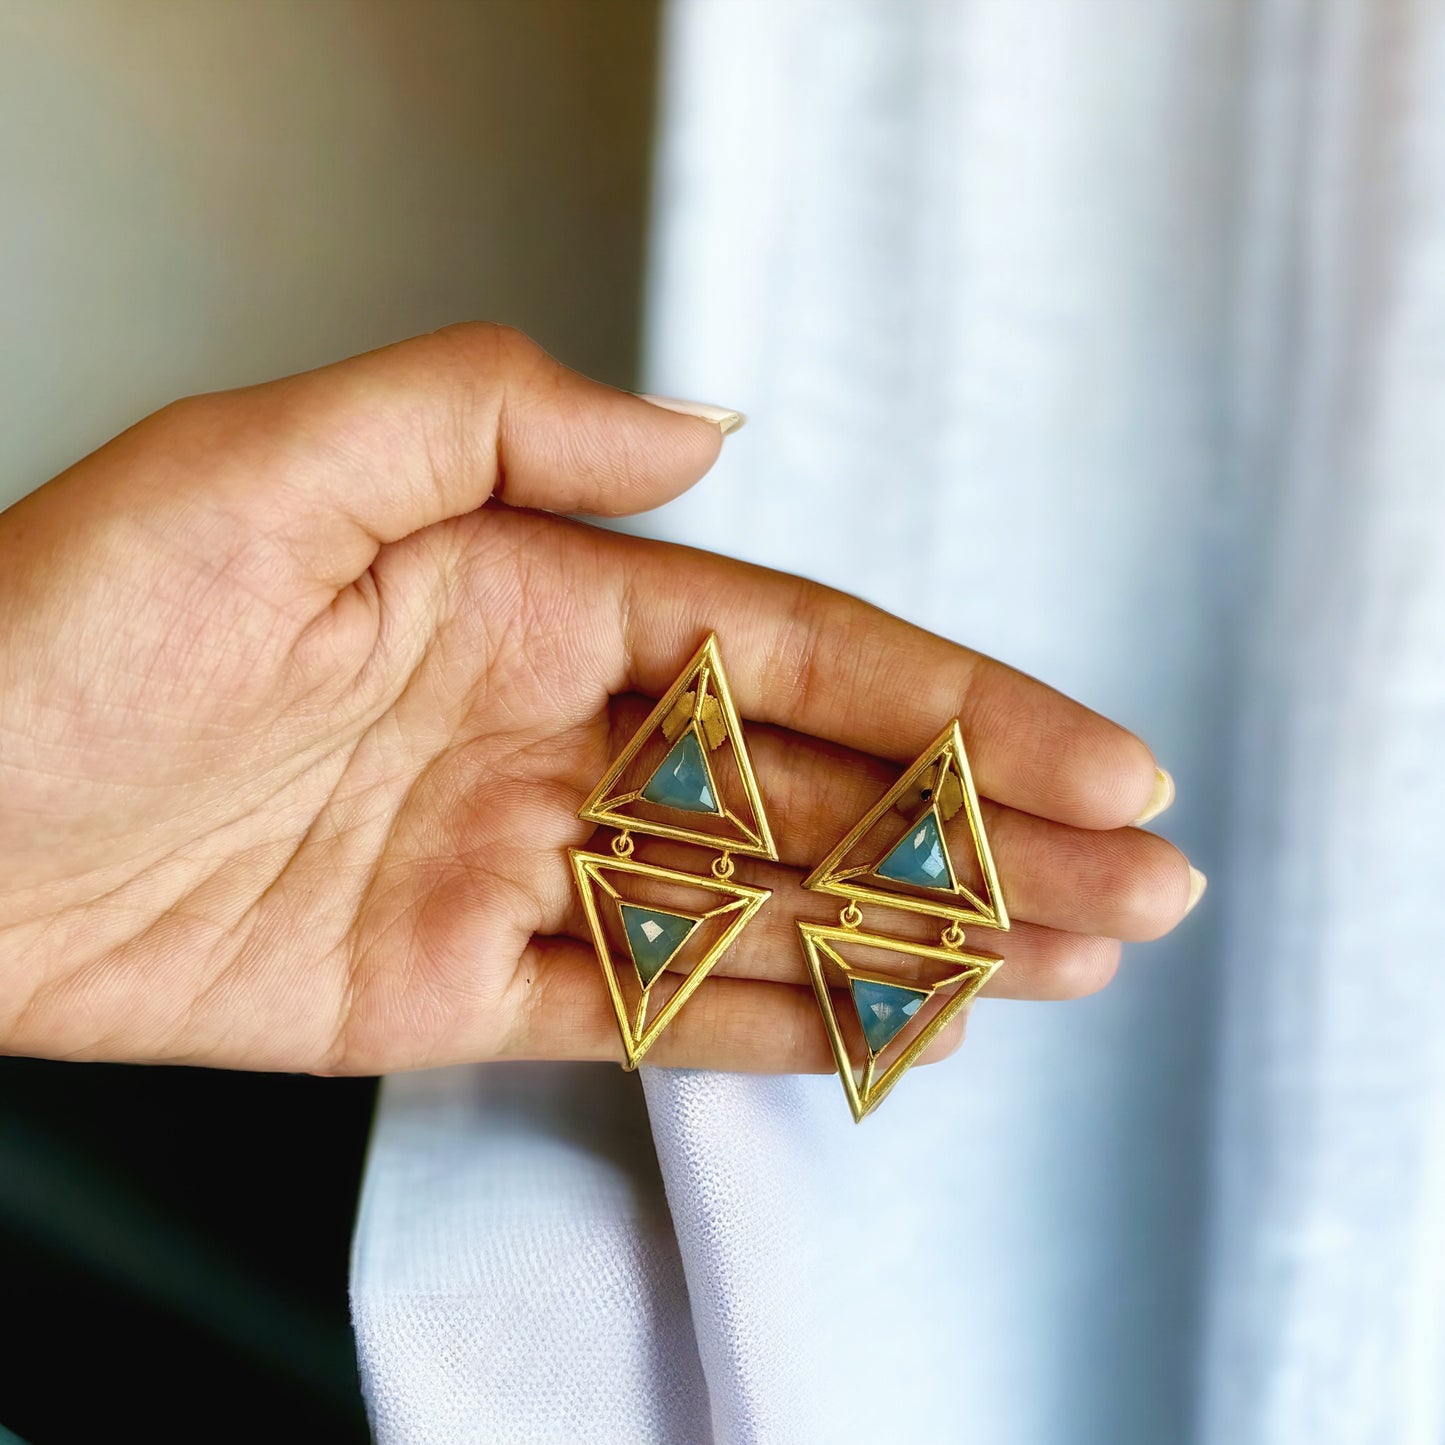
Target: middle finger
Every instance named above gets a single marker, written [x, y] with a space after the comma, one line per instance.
[1122, 883]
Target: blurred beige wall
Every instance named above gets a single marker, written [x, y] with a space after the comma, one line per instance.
[203, 193]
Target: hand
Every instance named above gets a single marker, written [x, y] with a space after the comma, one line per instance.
[301, 687]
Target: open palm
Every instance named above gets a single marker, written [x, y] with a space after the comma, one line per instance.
[301, 687]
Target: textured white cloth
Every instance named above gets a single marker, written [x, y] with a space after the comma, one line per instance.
[514, 1252]
[1105, 337]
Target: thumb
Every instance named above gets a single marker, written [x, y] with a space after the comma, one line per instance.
[344, 459]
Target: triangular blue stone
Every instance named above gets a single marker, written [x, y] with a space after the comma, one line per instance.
[883, 1009]
[682, 779]
[919, 858]
[654, 936]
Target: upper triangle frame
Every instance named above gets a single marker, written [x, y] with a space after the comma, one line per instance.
[638, 1035]
[970, 972]
[754, 840]
[831, 877]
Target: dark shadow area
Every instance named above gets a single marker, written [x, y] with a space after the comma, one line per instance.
[175, 1241]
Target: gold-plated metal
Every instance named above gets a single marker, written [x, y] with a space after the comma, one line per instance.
[698, 706]
[591, 872]
[940, 778]
[863, 1084]
[700, 700]
[708, 714]
[944, 789]
[933, 790]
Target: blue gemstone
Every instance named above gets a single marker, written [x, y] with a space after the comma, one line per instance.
[682, 779]
[883, 1009]
[654, 936]
[920, 858]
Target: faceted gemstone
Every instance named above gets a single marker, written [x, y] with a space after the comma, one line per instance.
[883, 1009]
[654, 935]
[919, 858]
[683, 780]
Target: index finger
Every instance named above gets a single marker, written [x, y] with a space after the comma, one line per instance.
[818, 661]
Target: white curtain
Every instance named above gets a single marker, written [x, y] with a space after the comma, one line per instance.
[1107, 336]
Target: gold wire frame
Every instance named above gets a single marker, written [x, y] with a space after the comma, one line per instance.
[970, 971]
[638, 1035]
[830, 876]
[705, 676]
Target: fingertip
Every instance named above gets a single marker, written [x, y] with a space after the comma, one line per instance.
[577, 445]
[1082, 965]
[1043, 752]
[567, 442]
[656, 452]
[1140, 894]
[1049, 963]
[1104, 776]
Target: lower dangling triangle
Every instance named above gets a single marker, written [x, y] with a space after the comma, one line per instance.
[890, 1010]
[657, 939]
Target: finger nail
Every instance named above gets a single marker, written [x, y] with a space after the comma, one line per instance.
[724, 418]
[1159, 799]
[1197, 884]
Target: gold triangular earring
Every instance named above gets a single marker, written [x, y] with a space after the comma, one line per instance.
[659, 931]
[890, 1015]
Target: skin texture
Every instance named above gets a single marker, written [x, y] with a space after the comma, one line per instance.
[302, 685]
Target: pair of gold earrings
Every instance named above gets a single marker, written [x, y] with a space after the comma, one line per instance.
[655, 951]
